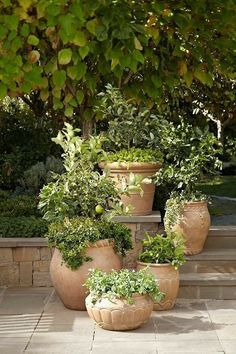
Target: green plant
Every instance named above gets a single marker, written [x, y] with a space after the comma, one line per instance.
[63, 51]
[175, 205]
[22, 226]
[73, 236]
[21, 205]
[41, 173]
[161, 249]
[122, 284]
[189, 154]
[81, 188]
[135, 155]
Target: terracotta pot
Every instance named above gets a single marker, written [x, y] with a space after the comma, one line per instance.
[117, 314]
[194, 225]
[141, 205]
[69, 283]
[168, 279]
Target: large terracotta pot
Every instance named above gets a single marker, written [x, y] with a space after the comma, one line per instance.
[168, 280]
[117, 314]
[141, 205]
[194, 225]
[69, 283]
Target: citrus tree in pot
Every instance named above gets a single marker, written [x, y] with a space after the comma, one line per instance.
[163, 254]
[130, 163]
[190, 153]
[78, 205]
[121, 300]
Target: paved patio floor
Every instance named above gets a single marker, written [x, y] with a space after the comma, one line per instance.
[33, 320]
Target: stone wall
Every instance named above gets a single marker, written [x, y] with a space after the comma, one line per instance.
[25, 262]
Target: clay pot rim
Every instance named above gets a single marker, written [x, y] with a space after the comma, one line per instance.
[130, 165]
[155, 265]
[106, 242]
[195, 203]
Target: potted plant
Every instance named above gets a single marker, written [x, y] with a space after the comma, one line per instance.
[189, 154]
[79, 204]
[122, 300]
[130, 163]
[163, 254]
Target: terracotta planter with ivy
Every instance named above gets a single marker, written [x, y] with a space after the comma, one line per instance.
[194, 225]
[69, 283]
[118, 315]
[168, 280]
[140, 200]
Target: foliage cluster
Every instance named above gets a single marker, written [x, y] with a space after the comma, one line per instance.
[81, 187]
[65, 50]
[161, 249]
[122, 284]
[72, 237]
[22, 226]
[135, 155]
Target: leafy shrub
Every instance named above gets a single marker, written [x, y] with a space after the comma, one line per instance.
[73, 236]
[29, 226]
[162, 249]
[135, 155]
[21, 205]
[41, 173]
[79, 190]
[122, 284]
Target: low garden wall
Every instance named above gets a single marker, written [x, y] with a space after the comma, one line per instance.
[25, 261]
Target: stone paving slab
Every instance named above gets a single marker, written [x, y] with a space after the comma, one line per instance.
[34, 321]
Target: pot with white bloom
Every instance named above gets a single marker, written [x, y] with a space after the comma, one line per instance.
[132, 170]
[163, 254]
[121, 301]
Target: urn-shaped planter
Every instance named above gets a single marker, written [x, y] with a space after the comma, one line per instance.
[194, 225]
[117, 314]
[141, 203]
[168, 280]
[69, 283]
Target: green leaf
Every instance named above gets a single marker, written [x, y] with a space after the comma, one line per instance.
[138, 56]
[64, 56]
[81, 70]
[25, 30]
[80, 96]
[84, 51]
[3, 91]
[12, 22]
[72, 72]
[80, 39]
[92, 25]
[59, 78]
[188, 78]
[201, 75]
[33, 40]
[137, 44]
[156, 80]
[69, 112]
[44, 94]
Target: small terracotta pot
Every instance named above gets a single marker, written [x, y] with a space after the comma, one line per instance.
[168, 280]
[117, 314]
[141, 205]
[69, 283]
[194, 225]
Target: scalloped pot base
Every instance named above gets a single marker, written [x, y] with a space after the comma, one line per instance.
[168, 280]
[194, 226]
[117, 314]
[69, 283]
[141, 205]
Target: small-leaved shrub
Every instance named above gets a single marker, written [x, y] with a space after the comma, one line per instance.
[162, 249]
[135, 155]
[122, 284]
[73, 236]
[29, 226]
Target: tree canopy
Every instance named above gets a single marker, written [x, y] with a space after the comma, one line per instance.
[66, 51]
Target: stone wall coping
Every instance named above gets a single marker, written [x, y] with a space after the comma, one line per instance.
[23, 242]
[155, 217]
[227, 230]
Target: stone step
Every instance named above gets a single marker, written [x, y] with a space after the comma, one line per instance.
[208, 286]
[221, 237]
[211, 261]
